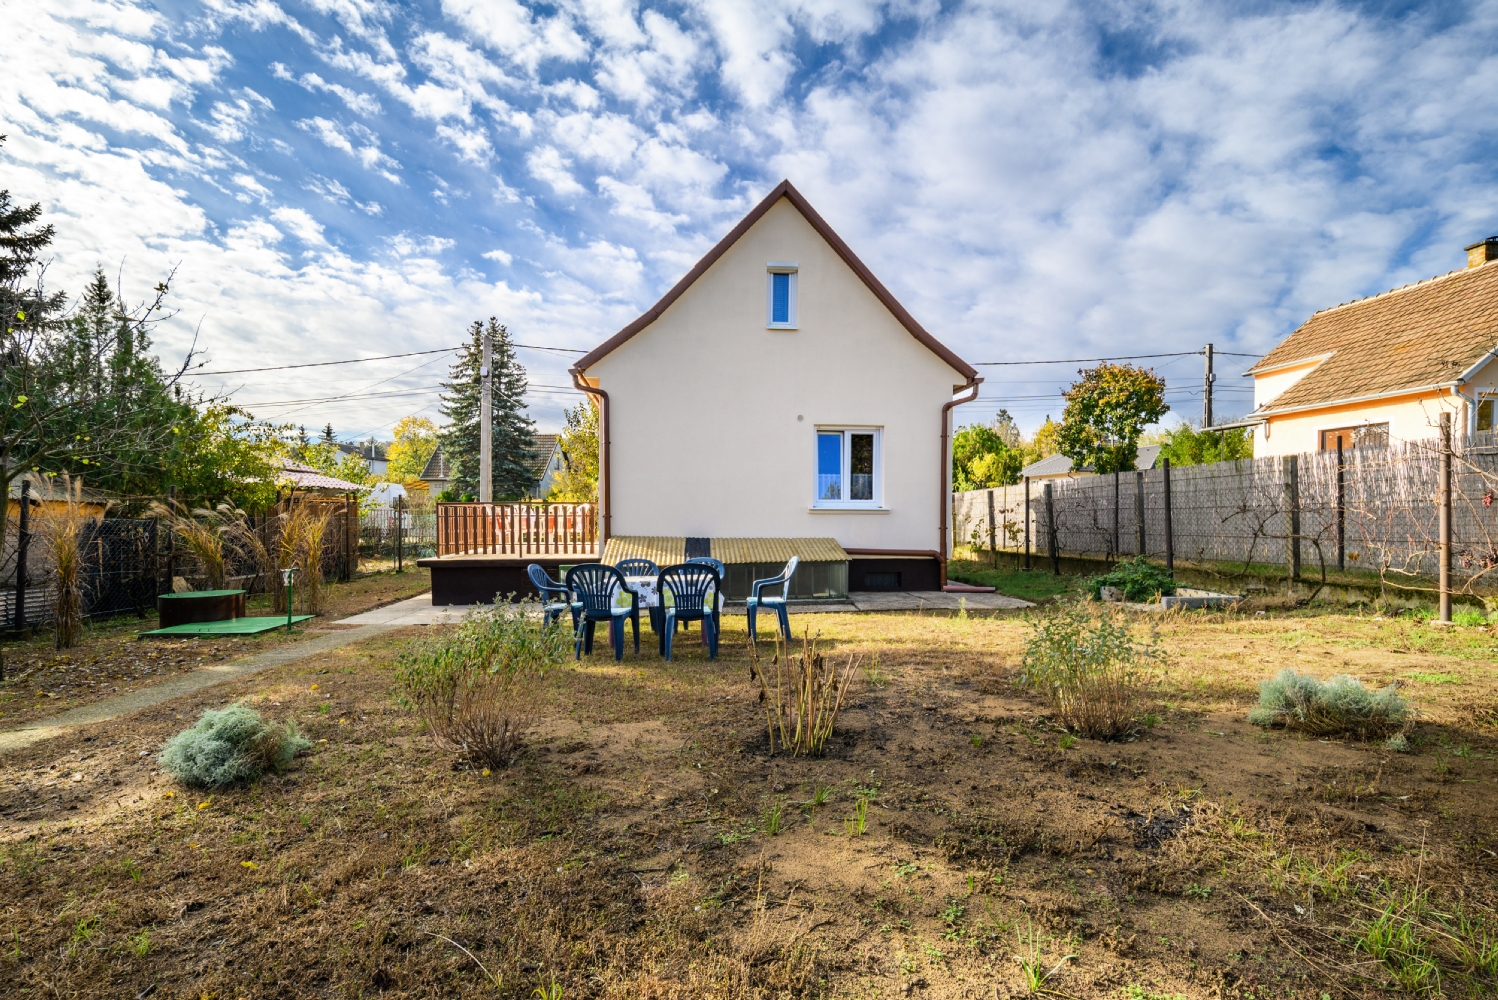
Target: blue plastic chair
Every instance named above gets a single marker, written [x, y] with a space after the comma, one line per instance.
[722, 575]
[689, 593]
[637, 567]
[603, 597]
[774, 603]
[549, 588]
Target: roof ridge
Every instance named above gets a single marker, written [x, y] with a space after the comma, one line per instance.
[1395, 291]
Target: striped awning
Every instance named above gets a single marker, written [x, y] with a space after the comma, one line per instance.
[729, 551]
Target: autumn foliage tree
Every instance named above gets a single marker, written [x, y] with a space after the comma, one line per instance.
[1106, 412]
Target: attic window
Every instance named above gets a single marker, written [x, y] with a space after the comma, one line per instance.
[780, 296]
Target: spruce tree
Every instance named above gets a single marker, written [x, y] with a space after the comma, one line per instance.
[328, 437]
[514, 432]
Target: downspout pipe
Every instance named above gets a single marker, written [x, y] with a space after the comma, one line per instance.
[604, 479]
[946, 467]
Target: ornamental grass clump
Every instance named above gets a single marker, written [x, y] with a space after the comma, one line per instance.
[1090, 666]
[802, 696]
[478, 686]
[1327, 708]
[229, 745]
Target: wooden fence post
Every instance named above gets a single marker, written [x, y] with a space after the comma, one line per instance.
[1050, 531]
[1139, 507]
[1292, 518]
[1445, 516]
[23, 543]
[1170, 542]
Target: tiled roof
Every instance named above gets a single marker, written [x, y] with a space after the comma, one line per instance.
[436, 469]
[307, 478]
[1051, 465]
[1420, 335]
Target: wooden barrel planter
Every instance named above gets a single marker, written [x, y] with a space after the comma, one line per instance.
[199, 606]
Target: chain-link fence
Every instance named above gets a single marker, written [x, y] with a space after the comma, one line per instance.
[1371, 509]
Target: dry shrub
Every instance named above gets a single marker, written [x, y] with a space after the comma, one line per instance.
[241, 537]
[1327, 708]
[63, 530]
[300, 546]
[1090, 666]
[477, 687]
[802, 703]
[200, 532]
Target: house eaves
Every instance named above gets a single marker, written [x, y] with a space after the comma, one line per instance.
[788, 191]
[1351, 400]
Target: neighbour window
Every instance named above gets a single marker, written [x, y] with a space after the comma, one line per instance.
[1484, 414]
[1361, 436]
[781, 305]
[847, 468]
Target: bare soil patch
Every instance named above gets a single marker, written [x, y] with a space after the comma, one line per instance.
[628, 852]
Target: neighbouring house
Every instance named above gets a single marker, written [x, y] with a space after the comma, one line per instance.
[372, 454]
[547, 460]
[385, 494]
[436, 472]
[1382, 370]
[1059, 466]
[779, 401]
[51, 495]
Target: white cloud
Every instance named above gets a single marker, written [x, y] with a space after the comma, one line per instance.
[355, 140]
[499, 257]
[547, 164]
[301, 225]
[471, 144]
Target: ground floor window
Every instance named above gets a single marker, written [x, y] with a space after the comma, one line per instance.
[848, 467]
[1361, 436]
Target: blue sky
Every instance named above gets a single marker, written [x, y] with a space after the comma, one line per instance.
[348, 178]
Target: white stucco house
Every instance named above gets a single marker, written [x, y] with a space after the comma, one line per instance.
[778, 400]
[1382, 370]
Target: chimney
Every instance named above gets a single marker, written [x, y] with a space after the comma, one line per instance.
[1479, 254]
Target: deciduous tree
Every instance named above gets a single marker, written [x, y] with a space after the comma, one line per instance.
[1106, 411]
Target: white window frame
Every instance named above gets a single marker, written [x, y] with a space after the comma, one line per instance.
[847, 431]
[771, 269]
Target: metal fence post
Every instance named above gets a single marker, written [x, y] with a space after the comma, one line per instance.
[1445, 523]
[23, 542]
[1170, 542]
[1027, 522]
[1292, 517]
[171, 543]
[1341, 507]
[1116, 541]
[399, 525]
[1050, 530]
[993, 537]
[1139, 507]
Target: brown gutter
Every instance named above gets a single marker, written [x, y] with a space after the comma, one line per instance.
[946, 468]
[604, 480]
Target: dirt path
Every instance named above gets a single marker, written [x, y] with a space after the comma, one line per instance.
[175, 687]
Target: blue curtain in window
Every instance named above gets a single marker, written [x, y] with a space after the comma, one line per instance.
[829, 466]
[780, 298]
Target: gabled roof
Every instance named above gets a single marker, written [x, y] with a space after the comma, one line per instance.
[546, 446]
[1146, 456]
[1421, 336]
[783, 190]
[436, 469]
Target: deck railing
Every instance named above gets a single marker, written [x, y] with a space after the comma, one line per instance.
[517, 529]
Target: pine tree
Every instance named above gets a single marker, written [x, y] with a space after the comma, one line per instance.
[514, 433]
[328, 437]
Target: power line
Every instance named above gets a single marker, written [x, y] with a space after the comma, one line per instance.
[1126, 357]
[382, 357]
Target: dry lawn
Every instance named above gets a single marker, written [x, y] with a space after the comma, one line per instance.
[41, 680]
[629, 851]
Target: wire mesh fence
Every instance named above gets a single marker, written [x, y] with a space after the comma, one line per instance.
[383, 529]
[1375, 510]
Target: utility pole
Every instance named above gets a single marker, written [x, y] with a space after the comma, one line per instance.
[1207, 391]
[486, 423]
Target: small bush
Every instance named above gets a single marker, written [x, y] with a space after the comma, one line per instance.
[1139, 580]
[803, 697]
[1324, 708]
[1089, 664]
[229, 745]
[476, 686]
